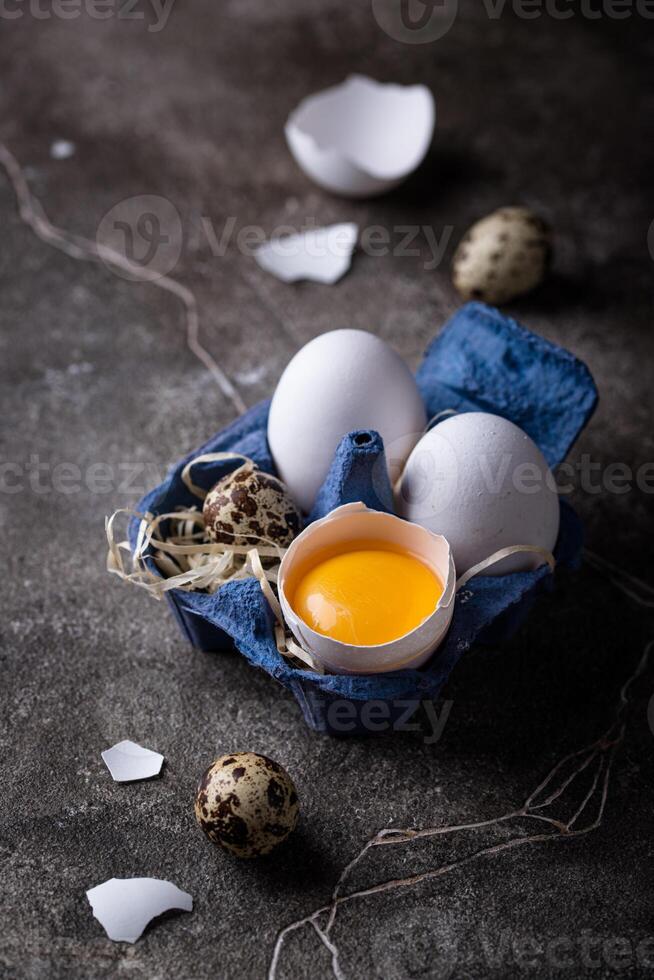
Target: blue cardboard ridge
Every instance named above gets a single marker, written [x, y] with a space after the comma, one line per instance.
[358, 473]
[485, 361]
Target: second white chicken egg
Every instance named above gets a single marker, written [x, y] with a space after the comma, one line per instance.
[484, 484]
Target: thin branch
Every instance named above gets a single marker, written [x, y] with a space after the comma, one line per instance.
[84, 250]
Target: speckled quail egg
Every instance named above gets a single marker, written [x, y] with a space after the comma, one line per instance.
[502, 256]
[246, 803]
[248, 505]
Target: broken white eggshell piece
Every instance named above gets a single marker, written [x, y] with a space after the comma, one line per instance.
[320, 254]
[127, 762]
[125, 906]
[357, 523]
[362, 137]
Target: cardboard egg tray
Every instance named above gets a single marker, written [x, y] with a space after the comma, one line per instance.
[481, 361]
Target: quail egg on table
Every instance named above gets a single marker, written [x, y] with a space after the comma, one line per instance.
[502, 256]
[246, 803]
[249, 505]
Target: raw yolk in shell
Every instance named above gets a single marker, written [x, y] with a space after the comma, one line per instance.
[366, 596]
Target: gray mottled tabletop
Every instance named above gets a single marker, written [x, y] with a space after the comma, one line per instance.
[100, 394]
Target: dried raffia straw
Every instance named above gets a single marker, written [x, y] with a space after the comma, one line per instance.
[247, 466]
[85, 250]
[285, 642]
[497, 556]
[187, 561]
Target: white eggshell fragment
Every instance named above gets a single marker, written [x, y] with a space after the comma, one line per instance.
[356, 523]
[125, 906]
[361, 137]
[340, 381]
[62, 149]
[502, 256]
[480, 481]
[127, 762]
[319, 254]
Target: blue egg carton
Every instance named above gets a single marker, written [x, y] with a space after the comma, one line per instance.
[481, 361]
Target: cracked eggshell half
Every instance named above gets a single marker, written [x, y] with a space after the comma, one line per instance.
[362, 137]
[357, 523]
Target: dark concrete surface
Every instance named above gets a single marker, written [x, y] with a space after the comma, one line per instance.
[555, 114]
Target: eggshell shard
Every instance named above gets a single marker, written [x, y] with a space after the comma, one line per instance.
[320, 254]
[479, 480]
[502, 256]
[355, 522]
[247, 506]
[127, 762]
[247, 804]
[125, 906]
[362, 138]
[340, 381]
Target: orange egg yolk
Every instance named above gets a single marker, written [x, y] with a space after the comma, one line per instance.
[366, 596]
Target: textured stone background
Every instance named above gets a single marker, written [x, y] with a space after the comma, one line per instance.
[94, 369]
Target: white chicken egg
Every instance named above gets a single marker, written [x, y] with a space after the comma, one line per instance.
[482, 483]
[340, 381]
